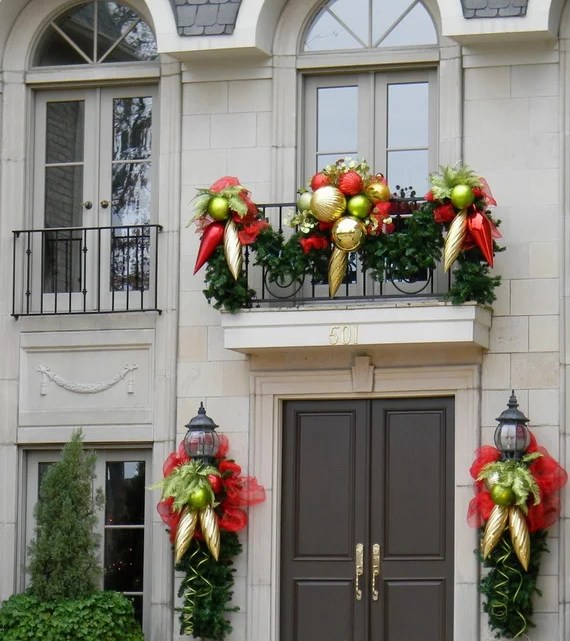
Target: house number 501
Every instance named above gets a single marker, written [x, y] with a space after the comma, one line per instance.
[343, 335]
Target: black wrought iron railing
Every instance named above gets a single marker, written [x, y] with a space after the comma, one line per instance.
[85, 270]
[357, 286]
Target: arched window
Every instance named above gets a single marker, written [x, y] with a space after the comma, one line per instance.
[375, 111]
[367, 24]
[93, 33]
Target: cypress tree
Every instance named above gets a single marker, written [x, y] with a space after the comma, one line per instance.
[64, 553]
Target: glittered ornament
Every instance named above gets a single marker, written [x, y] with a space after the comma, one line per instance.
[378, 192]
[327, 204]
[350, 183]
[348, 233]
[319, 180]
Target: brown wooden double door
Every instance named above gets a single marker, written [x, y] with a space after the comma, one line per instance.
[367, 485]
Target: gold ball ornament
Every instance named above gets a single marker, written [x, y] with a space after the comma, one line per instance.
[348, 233]
[328, 204]
[378, 192]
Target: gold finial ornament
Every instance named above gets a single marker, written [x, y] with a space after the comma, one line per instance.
[337, 269]
[494, 529]
[210, 530]
[519, 535]
[454, 239]
[232, 249]
[185, 532]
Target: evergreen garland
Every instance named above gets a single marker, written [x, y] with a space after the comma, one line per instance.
[508, 590]
[206, 589]
[415, 245]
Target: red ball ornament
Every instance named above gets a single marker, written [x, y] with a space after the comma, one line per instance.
[350, 183]
[215, 482]
[319, 180]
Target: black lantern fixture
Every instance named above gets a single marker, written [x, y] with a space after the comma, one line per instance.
[201, 441]
[512, 437]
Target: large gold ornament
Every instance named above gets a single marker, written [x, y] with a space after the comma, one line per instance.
[454, 239]
[328, 204]
[185, 532]
[378, 192]
[519, 535]
[494, 529]
[210, 530]
[337, 269]
[232, 249]
[348, 233]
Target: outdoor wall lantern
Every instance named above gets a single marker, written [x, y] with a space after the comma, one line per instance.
[512, 437]
[201, 441]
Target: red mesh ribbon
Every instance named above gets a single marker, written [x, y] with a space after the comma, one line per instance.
[238, 491]
[549, 475]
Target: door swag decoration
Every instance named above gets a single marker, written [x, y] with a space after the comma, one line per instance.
[516, 500]
[202, 506]
[347, 208]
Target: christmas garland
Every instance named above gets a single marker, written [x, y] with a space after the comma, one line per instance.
[515, 501]
[350, 209]
[202, 507]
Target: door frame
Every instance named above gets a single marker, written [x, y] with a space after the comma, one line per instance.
[363, 380]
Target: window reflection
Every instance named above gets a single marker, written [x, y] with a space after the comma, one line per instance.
[96, 32]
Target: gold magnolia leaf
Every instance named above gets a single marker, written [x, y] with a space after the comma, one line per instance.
[210, 530]
[494, 529]
[184, 533]
[519, 535]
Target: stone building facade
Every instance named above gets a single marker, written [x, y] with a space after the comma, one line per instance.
[232, 88]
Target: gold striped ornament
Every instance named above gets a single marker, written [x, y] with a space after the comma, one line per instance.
[184, 533]
[210, 530]
[232, 249]
[338, 263]
[494, 529]
[519, 535]
[454, 239]
[328, 203]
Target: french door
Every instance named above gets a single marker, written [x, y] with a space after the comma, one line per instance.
[93, 181]
[367, 520]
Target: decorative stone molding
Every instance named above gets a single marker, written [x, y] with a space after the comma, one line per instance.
[494, 8]
[85, 388]
[205, 17]
[362, 374]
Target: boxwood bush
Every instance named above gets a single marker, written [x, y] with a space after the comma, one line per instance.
[103, 616]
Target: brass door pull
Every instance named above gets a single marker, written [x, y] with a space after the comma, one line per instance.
[105, 204]
[375, 570]
[359, 570]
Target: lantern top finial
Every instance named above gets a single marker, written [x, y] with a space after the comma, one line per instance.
[512, 414]
[201, 419]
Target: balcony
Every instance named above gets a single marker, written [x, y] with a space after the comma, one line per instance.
[85, 270]
[364, 312]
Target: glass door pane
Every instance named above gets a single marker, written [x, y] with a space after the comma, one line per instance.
[64, 170]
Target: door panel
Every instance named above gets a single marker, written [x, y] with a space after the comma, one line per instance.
[323, 519]
[371, 472]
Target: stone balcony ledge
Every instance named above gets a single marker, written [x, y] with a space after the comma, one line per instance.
[386, 323]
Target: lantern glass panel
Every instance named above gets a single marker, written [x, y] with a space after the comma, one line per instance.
[512, 439]
[201, 443]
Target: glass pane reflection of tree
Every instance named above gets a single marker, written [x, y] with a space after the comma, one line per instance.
[131, 193]
[124, 529]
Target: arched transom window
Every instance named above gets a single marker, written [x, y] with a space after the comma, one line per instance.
[93, 33]
[368, 24]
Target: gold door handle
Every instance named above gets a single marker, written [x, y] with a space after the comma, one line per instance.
[375, 570]
[359, 570]
[105, 204]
